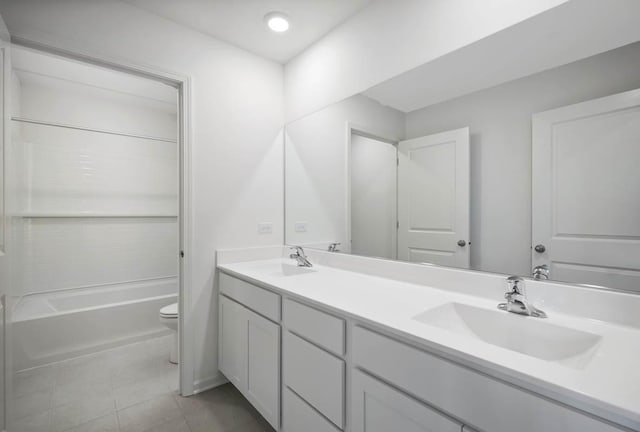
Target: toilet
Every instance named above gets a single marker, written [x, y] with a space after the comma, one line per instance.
[169, 318]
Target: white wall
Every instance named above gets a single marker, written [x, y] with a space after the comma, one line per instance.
[385, 40]
[316, 166]
[237, 116]
[500, 122]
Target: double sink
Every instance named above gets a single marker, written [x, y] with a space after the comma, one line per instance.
[526, 335]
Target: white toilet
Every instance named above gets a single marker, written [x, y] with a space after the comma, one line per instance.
[169, 318]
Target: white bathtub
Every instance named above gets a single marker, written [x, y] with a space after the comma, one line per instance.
[51, 327]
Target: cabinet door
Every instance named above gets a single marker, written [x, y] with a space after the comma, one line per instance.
[232, 346]
[380, 408]
[263, 367]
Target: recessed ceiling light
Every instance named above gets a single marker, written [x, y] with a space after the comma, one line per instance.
[277, 21]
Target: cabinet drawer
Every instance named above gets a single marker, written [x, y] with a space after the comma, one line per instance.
[299, 416]
[319, 327]
[315, 375]
[463, 393]
[378, 407]
[255, 298]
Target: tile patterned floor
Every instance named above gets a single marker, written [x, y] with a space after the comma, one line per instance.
[127, 389]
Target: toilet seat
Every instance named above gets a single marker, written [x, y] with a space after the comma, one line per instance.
[170, 311]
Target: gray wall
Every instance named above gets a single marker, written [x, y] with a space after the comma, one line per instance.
[500, 122]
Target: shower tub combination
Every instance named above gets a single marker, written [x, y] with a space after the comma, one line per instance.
[55, 326]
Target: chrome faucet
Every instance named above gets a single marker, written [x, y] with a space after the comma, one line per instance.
[333, 247]
[300, 257]
[517, 300]
[541, 272]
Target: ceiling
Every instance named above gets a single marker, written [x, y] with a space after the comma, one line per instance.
[241, 22]
[562, 35]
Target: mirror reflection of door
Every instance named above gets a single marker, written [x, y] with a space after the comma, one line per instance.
[586, 206]
[373, 197]
[411, 201]
[433, 199]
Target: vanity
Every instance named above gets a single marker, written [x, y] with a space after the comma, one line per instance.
[363, 344]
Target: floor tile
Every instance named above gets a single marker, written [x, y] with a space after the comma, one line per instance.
[139, 370]
[149, 414]
[93, 368]
[31, 404]
[177, 425]
[108, 423]
[66, 393]
[201, 401]
[220, 413]
[81, 411]
[33, 423]
[140, 391]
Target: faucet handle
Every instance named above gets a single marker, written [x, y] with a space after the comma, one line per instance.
[514, 285]
[298, 249]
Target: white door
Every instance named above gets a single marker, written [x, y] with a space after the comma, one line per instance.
[586, 192]
[380, 408]
[433, 199]
[373, 197]
[263, 367]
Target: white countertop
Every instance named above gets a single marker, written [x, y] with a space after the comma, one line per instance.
[606, 383]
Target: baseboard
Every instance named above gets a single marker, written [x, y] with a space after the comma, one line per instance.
[203, 385]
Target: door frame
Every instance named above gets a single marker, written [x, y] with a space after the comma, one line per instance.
[350, 129]
[185, 192]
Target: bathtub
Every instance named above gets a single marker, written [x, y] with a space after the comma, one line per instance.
[56, 326]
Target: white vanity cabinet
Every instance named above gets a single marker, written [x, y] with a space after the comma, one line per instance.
[378, 407]
[488, 403]
[249, 349]
[338, 373]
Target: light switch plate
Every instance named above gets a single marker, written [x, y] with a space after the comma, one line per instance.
[265, 228]
[301, 226]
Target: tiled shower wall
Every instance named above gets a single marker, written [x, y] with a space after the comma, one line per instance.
[97, 206]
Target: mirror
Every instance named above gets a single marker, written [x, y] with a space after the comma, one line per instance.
[536, 175]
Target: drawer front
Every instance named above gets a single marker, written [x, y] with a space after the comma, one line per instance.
[462, 392]
[316, 376]
[298, 416]
[321, 328]
[258, 299]
[378, 407]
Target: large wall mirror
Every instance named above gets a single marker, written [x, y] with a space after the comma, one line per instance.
[539, 176]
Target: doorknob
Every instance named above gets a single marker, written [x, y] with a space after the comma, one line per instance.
[462, 243]
[540, 248]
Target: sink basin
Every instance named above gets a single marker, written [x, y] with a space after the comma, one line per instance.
[527, 335]
[284, 269]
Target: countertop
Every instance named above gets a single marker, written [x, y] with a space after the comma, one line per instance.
[605, 381]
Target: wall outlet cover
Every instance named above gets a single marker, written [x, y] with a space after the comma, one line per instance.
[265, 228]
